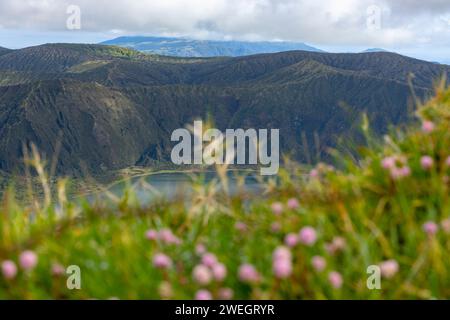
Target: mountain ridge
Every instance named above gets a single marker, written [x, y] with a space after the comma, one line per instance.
[111, 108]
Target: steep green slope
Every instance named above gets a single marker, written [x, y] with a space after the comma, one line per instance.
[114, 107]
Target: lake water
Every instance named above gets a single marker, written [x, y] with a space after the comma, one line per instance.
[174, 185]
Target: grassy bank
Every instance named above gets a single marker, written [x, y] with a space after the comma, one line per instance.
[303, 238]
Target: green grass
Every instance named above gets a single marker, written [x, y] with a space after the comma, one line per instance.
[374, 216]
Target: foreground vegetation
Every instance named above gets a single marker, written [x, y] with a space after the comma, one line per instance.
[303, 238]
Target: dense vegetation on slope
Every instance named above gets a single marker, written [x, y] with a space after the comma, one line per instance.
[304, 237]
[101, 108]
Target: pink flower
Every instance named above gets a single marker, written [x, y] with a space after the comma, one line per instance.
[428, 126]
[427, 162]
[9, 269]
[209, 259]
[338, 244]
[161, 261]
[308, 236]
[447, 162]
[389, 268]
[277, 208]
[388, 163]
[282, 253]
[293, 204]
[282, 262]
[226, 294]
[168, 237]
[248, 273]
[291, 240]
[282, 268]
[240, 226]
[446, 225]
[28, 260]
[399, 173]
[335, 279]
[275, 227]
[430, 228]
[219, 271]
[314, 173]
[58, 270]
[202, 275]
[203, 295]
[151, 235]
[319, 263]
[200, 249]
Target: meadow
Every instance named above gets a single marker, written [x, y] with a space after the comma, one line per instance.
[304, 236]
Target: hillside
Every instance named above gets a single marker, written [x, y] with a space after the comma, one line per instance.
[377, 229]
[111, 107]
[180, 47]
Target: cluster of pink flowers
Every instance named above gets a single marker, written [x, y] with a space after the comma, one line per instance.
[210, 269]
[282, 263]
[166, 236]
[337, 245]
[397, 166]
[306, 236]
[248, 274]
[28, 260]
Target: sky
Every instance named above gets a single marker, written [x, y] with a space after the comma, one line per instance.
[416, 28]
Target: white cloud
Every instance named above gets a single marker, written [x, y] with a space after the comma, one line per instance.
[327, 22]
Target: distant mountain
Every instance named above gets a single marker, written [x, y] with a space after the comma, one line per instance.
[181, 47]
[374, 50]
[114, 107]
[4, 50]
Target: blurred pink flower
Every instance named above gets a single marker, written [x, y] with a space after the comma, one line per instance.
[28, 260]
[167, 236]
[447, 162]
[388, 163]
[9, 269]
[282, 253]
[308, 236]
[151, 235]
[314, 173]
[282, 268]
[240, 226]
[248, 273]
[277, 208]
[430, 228]
[426, 162]
[219, 271]
[202, 275]
[226, 294]
[203, 295]
[200, 249]
[399, 173]
[209, 260]
[161, 261]
[275, 227]
[293, 204]
[446, 225]
[335, 279]
[428, 126]
[58, 270]
[291, 240]
[319, 263]
[389, 268]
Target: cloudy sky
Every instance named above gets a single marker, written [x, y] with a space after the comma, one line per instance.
[417, 28]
